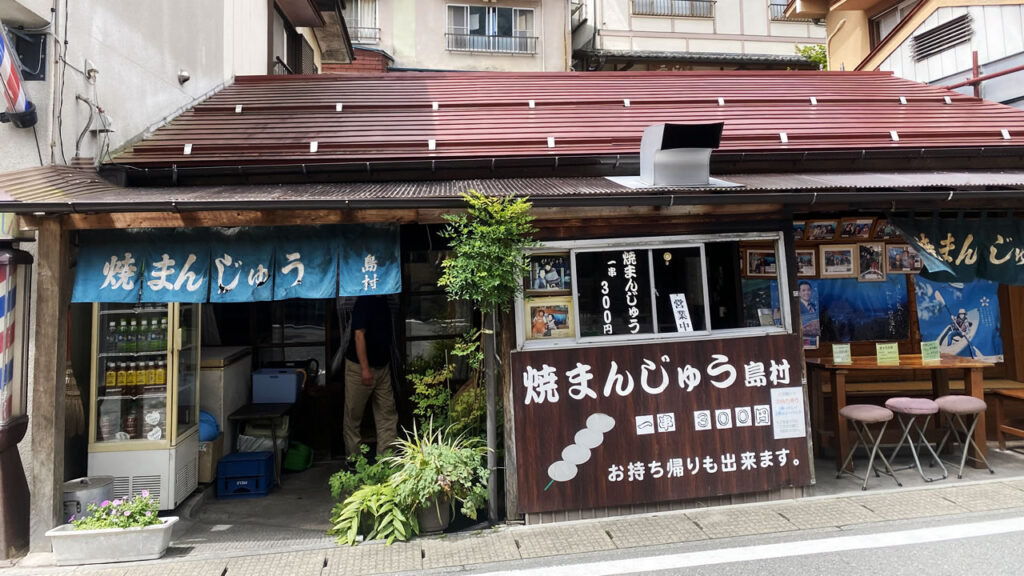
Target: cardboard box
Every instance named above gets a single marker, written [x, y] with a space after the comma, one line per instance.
[209, 455]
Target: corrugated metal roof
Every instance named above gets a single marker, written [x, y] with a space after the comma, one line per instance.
[793, 60]
[64, 189]
[272, 120]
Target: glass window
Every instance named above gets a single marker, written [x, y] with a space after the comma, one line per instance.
[614, 293]
[655, 288]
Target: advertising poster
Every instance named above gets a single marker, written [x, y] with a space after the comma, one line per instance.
[962, 317]
[850, 310]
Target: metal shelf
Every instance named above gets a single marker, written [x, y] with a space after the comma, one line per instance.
[133, 354]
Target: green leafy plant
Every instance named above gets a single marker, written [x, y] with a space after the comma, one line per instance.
[136, 512]
[374, 512]
[815, 53]
[488, 264]
[434, 464]
[360, 473]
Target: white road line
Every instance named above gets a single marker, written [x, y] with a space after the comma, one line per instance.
[781, 550]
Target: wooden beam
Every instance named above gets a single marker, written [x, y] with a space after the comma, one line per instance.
[231, 218]
[49, 343]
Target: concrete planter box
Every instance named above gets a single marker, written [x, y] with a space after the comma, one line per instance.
[72, 546]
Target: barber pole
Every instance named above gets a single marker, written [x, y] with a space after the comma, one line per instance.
[21, 112]
[10, 79]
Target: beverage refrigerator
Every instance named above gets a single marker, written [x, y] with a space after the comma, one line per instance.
[144, 401]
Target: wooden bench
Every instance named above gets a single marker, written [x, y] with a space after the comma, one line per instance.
[1003, 426]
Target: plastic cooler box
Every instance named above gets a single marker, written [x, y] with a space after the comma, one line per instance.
[245, 475]
[276, 386]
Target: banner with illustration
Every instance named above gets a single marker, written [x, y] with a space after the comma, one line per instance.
[962, 317]
[961, 249]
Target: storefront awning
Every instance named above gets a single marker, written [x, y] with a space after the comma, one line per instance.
[961, 249]
[237, 264]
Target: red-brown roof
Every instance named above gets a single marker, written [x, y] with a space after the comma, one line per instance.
[364, 118]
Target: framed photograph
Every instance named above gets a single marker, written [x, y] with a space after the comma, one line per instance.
[761, 263]
[550, 273]
[856, 228]
[799, 226]
[821, 229]
[837, 261]
[888, 232]
[870, 262]
[879, 232]
[806, 264]
[902, 259]
[549, 318]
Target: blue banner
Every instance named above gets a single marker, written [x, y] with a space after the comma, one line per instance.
[177, 267]
[370, 261]
[237, 264]
[962, 317]
[851, 310]
[242, 269]
[306, 263]
[109, 267]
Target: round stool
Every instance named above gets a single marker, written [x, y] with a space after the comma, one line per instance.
[959, 410]
[913, 415]
[862, 416]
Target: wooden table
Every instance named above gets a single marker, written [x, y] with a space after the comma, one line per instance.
[270, 414]
[836, 375]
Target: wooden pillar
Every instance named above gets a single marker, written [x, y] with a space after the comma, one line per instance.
[1011, 308]
[49, 342]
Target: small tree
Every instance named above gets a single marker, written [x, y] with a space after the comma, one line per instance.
[488, 264]
[487, 267]
[816, 54]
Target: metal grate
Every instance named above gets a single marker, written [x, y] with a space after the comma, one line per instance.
[121, 486]
[148, 483]
[186, 479]
[942, 37]
[677, 8]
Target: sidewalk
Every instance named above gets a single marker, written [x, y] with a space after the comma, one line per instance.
[205, 549]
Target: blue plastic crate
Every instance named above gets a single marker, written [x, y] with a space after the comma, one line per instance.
[245, 475]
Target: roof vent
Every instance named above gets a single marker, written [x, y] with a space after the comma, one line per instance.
[678, 154]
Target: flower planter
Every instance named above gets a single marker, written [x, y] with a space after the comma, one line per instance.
[434, 519]
[72, 546]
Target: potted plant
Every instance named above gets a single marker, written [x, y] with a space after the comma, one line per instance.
[434, 471]
[120, 530]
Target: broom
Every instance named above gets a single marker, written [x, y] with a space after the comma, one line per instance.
[74, 413]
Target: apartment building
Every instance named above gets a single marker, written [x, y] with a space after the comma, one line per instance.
[499, 35]
[100, 73]
[940, 42]
[690, 35]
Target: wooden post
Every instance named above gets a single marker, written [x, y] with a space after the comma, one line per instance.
[48, 339]
[511, 466]
[491, 385]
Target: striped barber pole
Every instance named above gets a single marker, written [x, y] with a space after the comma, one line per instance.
[10, 78]
[8, 292]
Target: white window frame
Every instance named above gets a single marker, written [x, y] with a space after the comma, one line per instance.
[491, 23]
[603, 245]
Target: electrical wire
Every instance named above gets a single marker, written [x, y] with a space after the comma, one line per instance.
[38, 151]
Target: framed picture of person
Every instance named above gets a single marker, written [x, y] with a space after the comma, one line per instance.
[810, 327]
[902, 259]
[806, 261]
[549, 273]
[799, 226]
[870, 264]
[837, 261]
[821, 229]
[548, 318]
[761, 263]
[856, 228]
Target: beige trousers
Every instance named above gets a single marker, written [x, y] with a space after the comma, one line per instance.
[356, 396]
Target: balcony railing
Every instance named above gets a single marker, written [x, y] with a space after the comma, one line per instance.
[678, 8]
[778, 13]
[497, 44]
[364, 35]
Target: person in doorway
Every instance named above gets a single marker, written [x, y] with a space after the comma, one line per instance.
[368, 374]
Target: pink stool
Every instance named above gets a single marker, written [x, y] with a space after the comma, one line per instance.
[909, 412]
[862, 416]
[957, 407]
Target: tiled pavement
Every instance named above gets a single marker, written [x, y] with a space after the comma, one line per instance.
[263, 556]
[226, 539]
